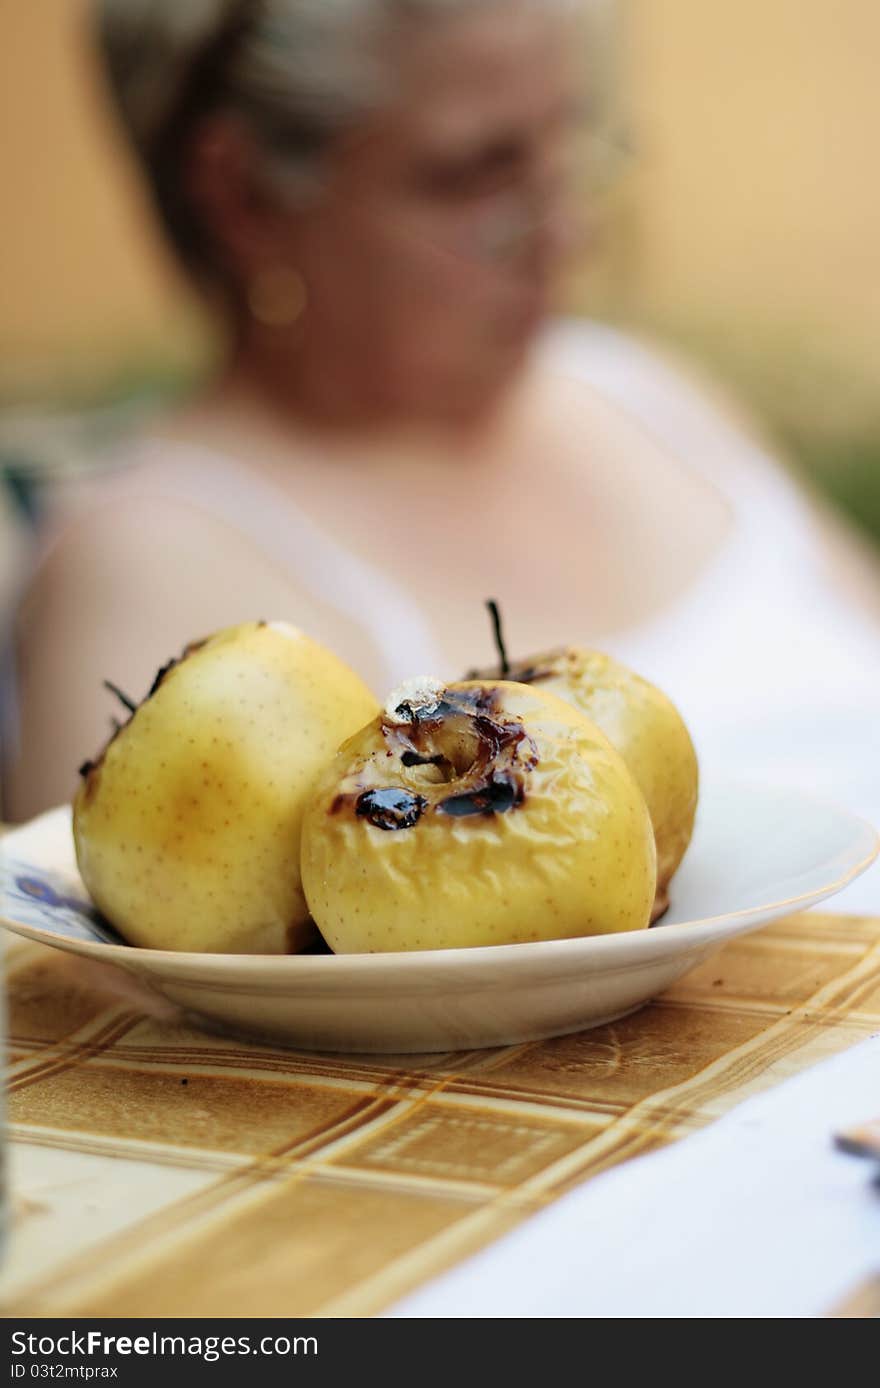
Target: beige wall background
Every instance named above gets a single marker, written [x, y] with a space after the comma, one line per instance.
[753, 222]
[747, 227]
[86, 292]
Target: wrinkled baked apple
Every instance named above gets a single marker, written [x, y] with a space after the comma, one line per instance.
[640, 721]
[480, 813]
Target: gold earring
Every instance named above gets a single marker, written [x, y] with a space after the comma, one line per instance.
[277, 296]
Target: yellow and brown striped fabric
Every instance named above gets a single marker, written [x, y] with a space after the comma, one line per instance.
[162, 1171]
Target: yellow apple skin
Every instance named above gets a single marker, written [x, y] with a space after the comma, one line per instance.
[648, 732]
[514, 820]
[187, 829]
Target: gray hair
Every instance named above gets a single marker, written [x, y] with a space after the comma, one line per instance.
[298, 72]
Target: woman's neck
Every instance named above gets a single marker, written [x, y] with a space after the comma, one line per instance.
[244, 405]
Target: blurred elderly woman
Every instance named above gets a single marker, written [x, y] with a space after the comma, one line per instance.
[376, 195]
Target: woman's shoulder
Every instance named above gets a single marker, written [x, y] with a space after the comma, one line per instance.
[688, 414]
[136, 561]
[158, 534]
[180, 538]
[781, 525]
[619, 360]
[164, 473]
[154, 501]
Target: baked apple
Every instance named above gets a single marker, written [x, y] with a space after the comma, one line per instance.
[475, 814]
[187, 826]
[640, 721]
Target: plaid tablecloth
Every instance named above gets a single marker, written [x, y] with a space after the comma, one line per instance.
[161, 1171]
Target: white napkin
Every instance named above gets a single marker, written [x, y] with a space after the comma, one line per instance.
[758, 1215]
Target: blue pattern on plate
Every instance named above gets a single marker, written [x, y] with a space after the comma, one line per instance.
[50, 901]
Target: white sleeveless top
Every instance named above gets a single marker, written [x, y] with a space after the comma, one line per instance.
[777, 677]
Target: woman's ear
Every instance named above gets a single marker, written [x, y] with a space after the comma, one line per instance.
[222, 180]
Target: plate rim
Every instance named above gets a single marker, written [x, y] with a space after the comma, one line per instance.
[621, 949]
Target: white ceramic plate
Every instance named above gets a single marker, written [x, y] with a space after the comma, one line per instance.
[757, 853]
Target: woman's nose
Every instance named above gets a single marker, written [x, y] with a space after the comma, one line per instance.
[532, 230]
[559, 228]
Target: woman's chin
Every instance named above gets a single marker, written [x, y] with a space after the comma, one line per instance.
[525, 323]
[467, 386]
[472, 400]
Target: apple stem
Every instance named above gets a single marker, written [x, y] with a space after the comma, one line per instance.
[123, 698]
[494, 612]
